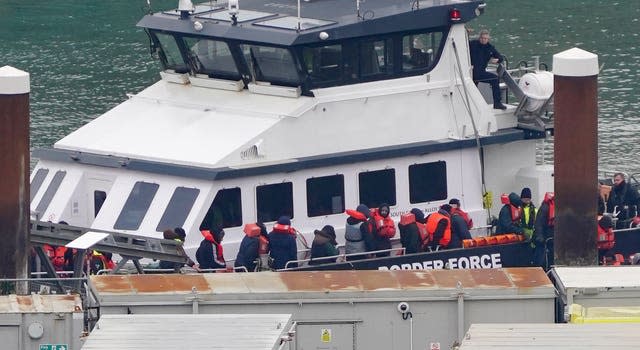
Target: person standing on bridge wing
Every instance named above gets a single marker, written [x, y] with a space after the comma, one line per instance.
[481, 52]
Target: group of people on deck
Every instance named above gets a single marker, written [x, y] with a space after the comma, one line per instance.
[520, 216]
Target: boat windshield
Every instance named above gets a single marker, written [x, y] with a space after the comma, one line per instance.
[271, 64]
[170, 53]
[212, 57]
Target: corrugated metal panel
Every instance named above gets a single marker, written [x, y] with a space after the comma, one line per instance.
[551, 336]
[508, 280]
[40, 303]
[597, 277]
[193, 332]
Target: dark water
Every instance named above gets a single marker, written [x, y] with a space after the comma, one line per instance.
[85, 55]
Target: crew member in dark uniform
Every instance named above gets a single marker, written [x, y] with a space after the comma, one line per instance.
[481, 52]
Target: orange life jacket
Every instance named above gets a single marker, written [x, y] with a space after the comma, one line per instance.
[549, 198]
[516, 214]
[218, 256]
[356, 214]
[465, 216]
[284, 229]
[263, 245]
[385, 227]
[56, 255]
[606, 238]
[432, 225]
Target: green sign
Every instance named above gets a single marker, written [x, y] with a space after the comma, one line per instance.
[54, 347]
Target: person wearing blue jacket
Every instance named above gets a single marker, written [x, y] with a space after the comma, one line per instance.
[282, 244]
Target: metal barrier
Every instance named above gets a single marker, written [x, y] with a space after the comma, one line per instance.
[342, 257]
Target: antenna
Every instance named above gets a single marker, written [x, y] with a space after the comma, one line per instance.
[149, 7]
[298, 16]
[358, 8]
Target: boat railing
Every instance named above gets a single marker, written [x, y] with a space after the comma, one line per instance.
[343, 257]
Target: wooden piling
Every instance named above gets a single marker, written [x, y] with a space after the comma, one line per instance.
[576, 157]
[14, 173]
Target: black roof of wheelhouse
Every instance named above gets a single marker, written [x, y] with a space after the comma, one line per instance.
[275, 21]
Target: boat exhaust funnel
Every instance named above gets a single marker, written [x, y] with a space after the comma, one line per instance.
[14, 165]
[576, 157]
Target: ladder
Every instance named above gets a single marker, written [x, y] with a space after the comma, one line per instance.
[129, 247]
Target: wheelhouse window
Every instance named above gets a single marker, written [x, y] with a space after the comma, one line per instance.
[47, 197]
[427, 182]
[178, 208]
[325, 195]
[271, 64]
[375, 57]
[136, 206]
[225, 210]
[377, 187]
[212, 57]
[323, 64]
[419, 51]
[169, 53]
[38, 179]
[273, 201]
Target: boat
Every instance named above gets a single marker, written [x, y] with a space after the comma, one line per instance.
[274, 108]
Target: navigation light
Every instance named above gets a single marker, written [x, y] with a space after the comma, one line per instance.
[455, 15]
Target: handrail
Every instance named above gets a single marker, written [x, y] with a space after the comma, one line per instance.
[342, 257]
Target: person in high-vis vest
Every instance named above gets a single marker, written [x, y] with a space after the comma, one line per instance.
[439, 228]
[410, 227]
[509, 217]
[528, 213]
[606, 238]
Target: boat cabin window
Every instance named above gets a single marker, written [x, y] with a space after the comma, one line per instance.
[325, 195]
[225, 210]
[47, 197]
[274, 201]
[427, 182]
[323, 64]
[271, 64]
[178, 208]
[419, 50]
[377, 187]
[98, 200]
[375, 57]
[136, 206]
[38, 179]
[169, 53]
[212, 57]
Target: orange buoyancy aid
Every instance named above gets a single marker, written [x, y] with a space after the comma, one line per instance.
[218, 256]
[263, 245]
[284, 229]
[516, 214]
[356, 214]
[424, 234]
[606, 238]
[432, 225]
[385, 227]
[56, 255]
[464, 215]
[549, 198]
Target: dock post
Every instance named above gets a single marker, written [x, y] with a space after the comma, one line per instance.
[14, 171]
[575, 157]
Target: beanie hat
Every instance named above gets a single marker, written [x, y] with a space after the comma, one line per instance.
[284, 220]
[419, 215]
[455, 201]
[180, 232]
[364, 210]
[526, 193]
[446, 207]
[606, 222]
[331, 232]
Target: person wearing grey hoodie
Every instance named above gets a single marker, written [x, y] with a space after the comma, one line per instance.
[355, 239]
[509, 219]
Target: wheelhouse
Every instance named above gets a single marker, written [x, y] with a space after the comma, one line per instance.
[264, 47]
